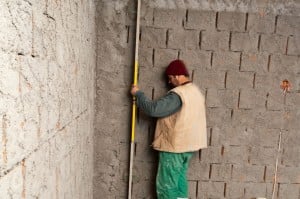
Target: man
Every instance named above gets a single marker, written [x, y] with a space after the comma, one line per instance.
[180, 129]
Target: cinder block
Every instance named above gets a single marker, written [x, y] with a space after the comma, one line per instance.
[196, 59]
[235, 190]
[261, 97]
[214, 40]
[198, 170]
[192, 189]
[255, 62]
[231, 21]
[212, 98]
[291, 191]
[236, 136]
[153, 37]
[290, 118]
[245, 118]
[267, 82]
[273, 44]
[247, 99]
[270, 173]
[261, 23]
[288, 174]
[275, 101]
[216, 116]
[209, 78]
[288, 25]
[167, 18]
[183, 39]
[143, 189]
[255, 190]
[239, 80]
[248, 173]
[143, 171]
[226, 98]
[262, 156]
[144, 129]
[146, 57]
[201, 20]
[216, 136]
[245, 42]
[144, 151]
[290, 156]
[221, 172]
[163, 57]
[235, 155]
[294, 45]
[210, 190]
[158, 90]
[211, 155]
[293, 99]
[226, 60]
[282, 64]
[147, 15]
[270, 119]
[267, 137]
[270, 190]
[290, 138]
[149, 79]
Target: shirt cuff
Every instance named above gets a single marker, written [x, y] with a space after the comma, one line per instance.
[138, 93]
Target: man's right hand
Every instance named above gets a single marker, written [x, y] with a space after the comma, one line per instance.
[134, 89]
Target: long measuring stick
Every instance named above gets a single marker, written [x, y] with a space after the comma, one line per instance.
[135, 81]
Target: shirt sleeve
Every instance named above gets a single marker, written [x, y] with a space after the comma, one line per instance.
[162, 107]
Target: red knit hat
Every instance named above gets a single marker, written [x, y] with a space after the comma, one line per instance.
[177, 67]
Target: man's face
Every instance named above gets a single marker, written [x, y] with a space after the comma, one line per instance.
[173, 80]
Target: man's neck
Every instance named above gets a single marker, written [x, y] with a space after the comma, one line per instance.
[184, 80]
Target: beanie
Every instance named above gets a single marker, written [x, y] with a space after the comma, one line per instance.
[177, 67]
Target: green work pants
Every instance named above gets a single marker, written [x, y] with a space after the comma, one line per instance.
[171, 180]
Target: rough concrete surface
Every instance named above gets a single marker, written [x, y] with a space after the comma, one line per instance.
[47, 69]
[238, 53]
[65, 109]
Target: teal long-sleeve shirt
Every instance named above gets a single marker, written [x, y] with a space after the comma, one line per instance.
[162, 107]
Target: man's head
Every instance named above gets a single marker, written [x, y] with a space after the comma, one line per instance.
[177, 67]
[177, 73]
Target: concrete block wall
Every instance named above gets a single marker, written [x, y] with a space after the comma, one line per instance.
[47, 69]
[238, 54]
[238, 60]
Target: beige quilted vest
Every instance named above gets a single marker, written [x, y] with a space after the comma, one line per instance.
[184, 130]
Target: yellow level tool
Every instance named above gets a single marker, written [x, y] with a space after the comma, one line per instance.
[135, 81]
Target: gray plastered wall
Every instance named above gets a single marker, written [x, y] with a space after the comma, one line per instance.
[47, 73]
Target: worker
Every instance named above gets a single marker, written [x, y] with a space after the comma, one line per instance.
[180, 129]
